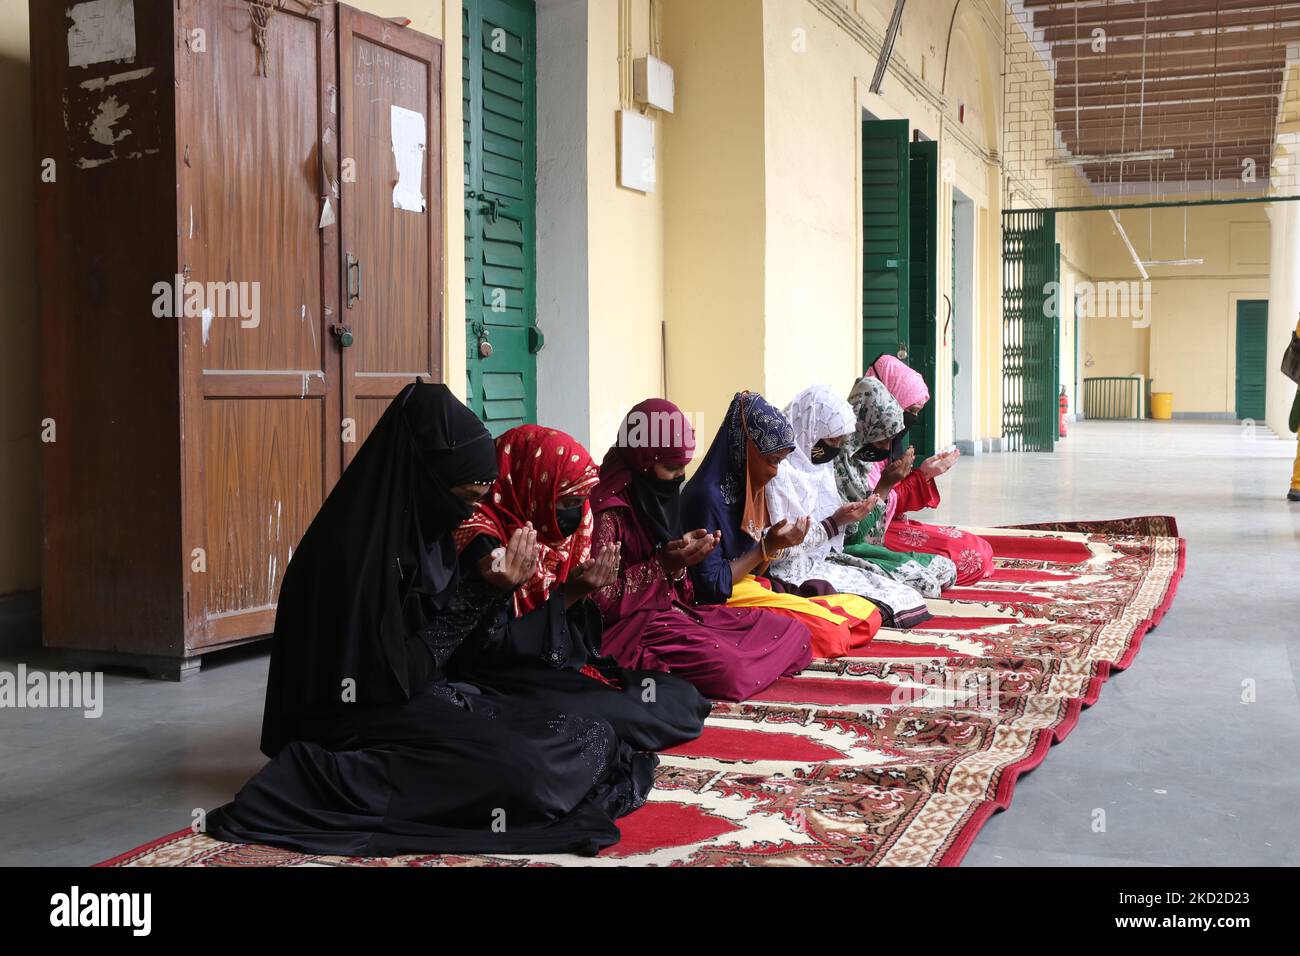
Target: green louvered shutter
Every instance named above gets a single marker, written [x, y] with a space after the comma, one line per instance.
[1252, 357]
[923, 269]
[500, 107]
[1054, 321]
[885, 243]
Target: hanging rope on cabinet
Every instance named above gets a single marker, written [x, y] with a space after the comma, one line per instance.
[260, 13]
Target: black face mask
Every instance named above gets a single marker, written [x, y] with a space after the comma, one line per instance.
[910, 420]
[458, 510]
[871, 453]
[824, 453]
[569, 519]
[664, 486]
[898, 448]
[658, 503]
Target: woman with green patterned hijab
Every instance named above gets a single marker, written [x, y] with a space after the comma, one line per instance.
[880, 419]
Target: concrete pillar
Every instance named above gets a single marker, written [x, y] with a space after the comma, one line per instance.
[563, 383]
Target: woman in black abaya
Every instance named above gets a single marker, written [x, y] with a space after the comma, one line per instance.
[375, 752]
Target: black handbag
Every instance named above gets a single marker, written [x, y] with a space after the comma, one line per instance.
[1291, 359]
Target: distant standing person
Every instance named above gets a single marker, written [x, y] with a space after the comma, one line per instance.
[1291, 367]
[1294, 493]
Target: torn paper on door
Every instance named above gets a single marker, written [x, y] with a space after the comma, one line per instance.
[408, 149]
[102, 31]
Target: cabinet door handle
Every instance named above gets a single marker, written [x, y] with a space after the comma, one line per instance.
[354, 280]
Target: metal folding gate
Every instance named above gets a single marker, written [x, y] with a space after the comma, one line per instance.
[1030, 312]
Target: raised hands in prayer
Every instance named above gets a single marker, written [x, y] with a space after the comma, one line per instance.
[936, 465]
[853, 511]
[688, 550]
[786, 534]
[897, 470]
[600, 572]
[510, 566]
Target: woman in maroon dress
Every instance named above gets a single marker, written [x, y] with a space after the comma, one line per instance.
[651, 620]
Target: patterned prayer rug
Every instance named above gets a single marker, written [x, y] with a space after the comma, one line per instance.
[895, 757]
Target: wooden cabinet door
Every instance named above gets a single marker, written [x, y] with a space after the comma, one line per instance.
[390, 84]
[260, 391]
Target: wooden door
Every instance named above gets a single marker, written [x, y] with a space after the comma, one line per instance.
[390, 85]
[260, 401]
[500, 103]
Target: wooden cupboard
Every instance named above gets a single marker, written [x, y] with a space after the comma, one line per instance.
[266, 162]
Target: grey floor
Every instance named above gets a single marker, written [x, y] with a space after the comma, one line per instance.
[1185, 771]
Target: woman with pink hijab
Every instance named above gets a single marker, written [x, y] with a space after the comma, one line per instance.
[916, 489]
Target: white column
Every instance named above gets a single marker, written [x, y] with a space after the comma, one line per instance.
[1283, 307]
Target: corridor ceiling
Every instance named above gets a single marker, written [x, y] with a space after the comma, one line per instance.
[1156, 97]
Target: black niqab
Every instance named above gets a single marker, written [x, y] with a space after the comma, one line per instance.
[658, 503]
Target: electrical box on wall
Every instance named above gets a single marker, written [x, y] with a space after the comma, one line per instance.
[652, 83]
[636, 160]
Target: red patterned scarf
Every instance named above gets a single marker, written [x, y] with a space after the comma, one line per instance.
[538, 466]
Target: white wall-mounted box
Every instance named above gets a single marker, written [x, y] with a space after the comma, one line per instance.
[653, 83]
[636, 154]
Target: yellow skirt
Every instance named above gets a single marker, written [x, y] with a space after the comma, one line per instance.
[838, 623]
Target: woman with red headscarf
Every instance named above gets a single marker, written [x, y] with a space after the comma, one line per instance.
[651, 619]
[531, 537]
[912, 488]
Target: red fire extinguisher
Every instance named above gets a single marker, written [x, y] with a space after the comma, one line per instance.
[1065, 407]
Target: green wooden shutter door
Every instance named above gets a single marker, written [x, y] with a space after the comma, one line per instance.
[923, 268]
[1029, 370]
[885, 245]
[1054, 321]
[1252, 357]
[500, 104]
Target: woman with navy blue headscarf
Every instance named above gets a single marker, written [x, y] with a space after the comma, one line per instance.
[726, 495]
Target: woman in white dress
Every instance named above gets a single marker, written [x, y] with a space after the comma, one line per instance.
[805, 486]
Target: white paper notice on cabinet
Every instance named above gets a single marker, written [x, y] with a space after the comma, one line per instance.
[409, 141]
[102, 31]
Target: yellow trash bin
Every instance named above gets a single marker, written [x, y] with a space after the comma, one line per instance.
[1162, 405]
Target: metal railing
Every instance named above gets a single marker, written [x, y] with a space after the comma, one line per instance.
[1114, 397]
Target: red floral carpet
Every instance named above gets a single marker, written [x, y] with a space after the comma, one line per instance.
[893, 758]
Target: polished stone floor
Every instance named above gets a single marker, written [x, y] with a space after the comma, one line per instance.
[1184, 769]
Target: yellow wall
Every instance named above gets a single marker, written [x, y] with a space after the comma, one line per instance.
[625, 239]
[812, 188]
[818, 71]
[712, 173]
[20, 330]
[1190, 346]
[948, 55]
